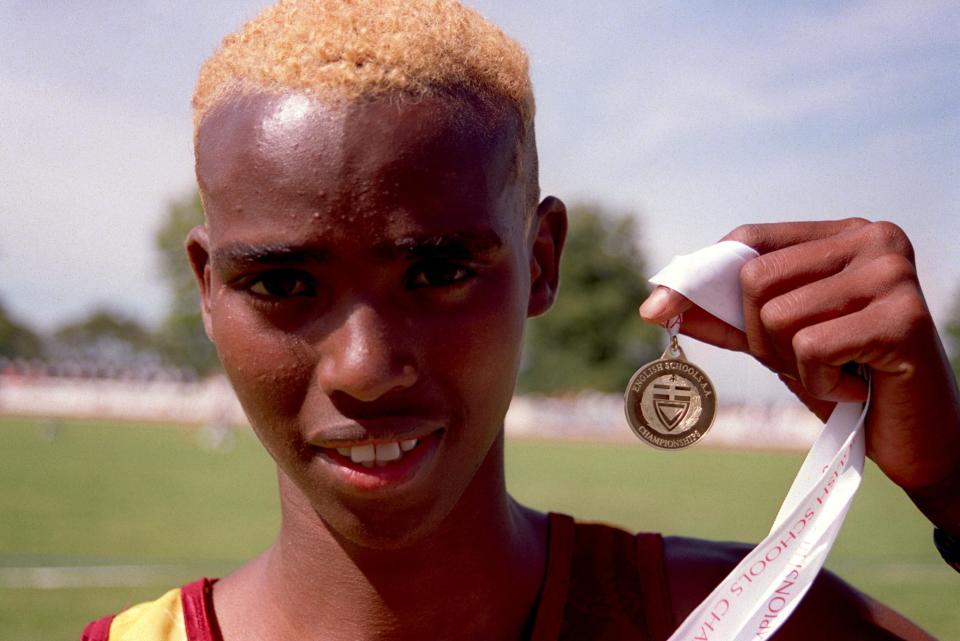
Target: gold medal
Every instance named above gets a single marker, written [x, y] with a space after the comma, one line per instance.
[670, 403]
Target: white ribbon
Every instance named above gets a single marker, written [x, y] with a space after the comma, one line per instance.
[756, 598]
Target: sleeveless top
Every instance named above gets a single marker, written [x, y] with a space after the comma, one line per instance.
[601, 583]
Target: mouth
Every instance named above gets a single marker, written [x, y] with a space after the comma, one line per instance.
[380, 464]
[377, 454]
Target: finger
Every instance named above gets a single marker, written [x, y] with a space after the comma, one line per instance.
[839, 295]
[774, 284]
[706, 327]
[663, 304]
[821, 350]
[779, 274]
[768, 237]
[821, 408]
[831, 382]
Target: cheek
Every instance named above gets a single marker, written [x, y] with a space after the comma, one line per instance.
[479, 346]
[269, 369]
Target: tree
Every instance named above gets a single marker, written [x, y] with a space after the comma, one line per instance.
[17, 340]
[104, 336]
[181, 337]
[593, 337]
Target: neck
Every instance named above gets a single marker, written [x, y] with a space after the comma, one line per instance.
[477, 575]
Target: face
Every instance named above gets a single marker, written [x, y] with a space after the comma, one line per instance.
[366, 272]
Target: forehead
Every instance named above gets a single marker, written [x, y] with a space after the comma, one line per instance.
[267, 157]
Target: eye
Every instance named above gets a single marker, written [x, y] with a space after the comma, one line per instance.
[282, 283]
[438, 273]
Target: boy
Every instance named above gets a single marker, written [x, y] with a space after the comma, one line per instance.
[374, 242]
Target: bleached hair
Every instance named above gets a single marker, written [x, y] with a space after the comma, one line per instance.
[358, 49]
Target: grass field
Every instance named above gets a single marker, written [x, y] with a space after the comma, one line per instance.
[157, 510]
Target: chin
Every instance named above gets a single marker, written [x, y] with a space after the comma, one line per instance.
[382, 529]
[400, 518]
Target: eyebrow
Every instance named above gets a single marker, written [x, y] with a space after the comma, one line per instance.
[461, 245]
[465, 244]
[267, 254]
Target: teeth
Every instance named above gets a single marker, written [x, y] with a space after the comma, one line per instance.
[362, 453]
[380, 454]
[388, 451]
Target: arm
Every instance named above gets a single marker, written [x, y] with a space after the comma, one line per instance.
[825, 294]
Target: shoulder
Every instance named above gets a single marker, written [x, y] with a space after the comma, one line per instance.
[603, 582]
[158, 620]
[831, 610]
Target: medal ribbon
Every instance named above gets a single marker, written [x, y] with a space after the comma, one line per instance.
[756, 598]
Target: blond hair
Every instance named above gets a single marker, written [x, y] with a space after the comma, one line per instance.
[348, 50]
[353, 49]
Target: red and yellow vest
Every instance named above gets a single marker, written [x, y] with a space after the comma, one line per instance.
[602, 583]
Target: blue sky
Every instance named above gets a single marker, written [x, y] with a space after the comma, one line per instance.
[697, 116]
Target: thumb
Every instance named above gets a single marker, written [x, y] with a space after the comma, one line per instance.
[663, 304]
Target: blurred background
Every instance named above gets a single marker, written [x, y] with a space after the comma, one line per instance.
[125, 466]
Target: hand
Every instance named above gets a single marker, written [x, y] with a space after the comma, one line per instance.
[824, 295]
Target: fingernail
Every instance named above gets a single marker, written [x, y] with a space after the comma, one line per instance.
[655, 305]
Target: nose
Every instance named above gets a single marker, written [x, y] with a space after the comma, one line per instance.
[366, 357]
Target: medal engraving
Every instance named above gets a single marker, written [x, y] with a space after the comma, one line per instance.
[670, 403]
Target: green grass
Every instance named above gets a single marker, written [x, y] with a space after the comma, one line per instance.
[128, 495]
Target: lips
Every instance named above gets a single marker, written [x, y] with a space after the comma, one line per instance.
[381, 463]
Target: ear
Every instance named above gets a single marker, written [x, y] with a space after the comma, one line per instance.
[549, 233]
[197, 246]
